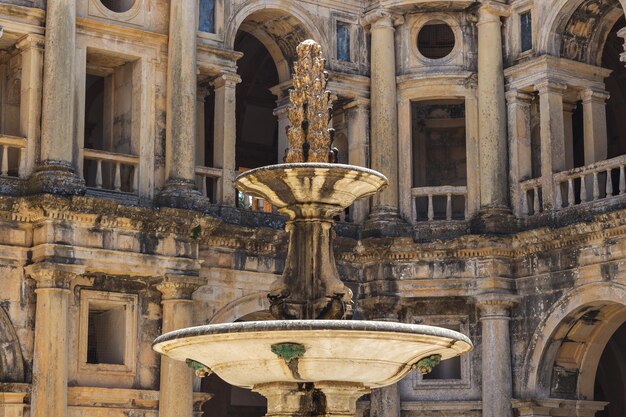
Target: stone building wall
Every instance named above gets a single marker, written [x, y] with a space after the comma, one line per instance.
[132, 228]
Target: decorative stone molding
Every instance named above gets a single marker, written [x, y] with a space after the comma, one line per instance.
[226, 79]
[49, 275]
[382, 17]
[178, 287]
[495, 306]
[591, 95]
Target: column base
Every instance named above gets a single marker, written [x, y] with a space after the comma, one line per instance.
[55, 177]
[493, 221]
[386, 222]
[182, 194]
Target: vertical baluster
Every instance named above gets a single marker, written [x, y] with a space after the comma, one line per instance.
[571, 199]
[135, 184]
[5, 160]
[609, 183]
[414, 208]
[583, 189]
[596, 186]
[203, 180]
[448, 206]
[536, 206]
[525, 209]
[117, 181]
[622, 180]
[98, 173]
[21, 169]
[559, 195]
[465, 212]
[431, 214]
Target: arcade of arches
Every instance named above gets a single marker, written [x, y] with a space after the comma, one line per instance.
[500, 125]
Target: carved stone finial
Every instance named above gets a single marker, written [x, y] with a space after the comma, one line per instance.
[309, 136]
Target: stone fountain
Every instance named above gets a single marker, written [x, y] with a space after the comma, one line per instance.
[312, 360]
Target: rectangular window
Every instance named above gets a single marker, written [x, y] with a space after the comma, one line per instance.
[207, 16]
[343, 41]
[108, 332]
[526, 31]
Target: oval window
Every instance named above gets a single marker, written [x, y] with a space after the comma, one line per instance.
[118, 6]
[435, 40]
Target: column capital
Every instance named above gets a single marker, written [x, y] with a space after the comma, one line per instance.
[590, 95]
[282, 110]
[382, 18]
[491, 11]
[31, 40]
[202, 92]
[569, 106]
[548, 86]
[50, 275]
[178, 287]
[495, 306]
[357, 103]
[518, 97]
[228, 79]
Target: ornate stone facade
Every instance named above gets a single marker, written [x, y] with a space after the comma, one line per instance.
[123, 126]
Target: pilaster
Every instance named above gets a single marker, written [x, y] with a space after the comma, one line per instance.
[552, 136]
[176, 390]
[494, 214]
[358, 112]
[384, 117]
[180, 188]
[225, 135]
[56, 171]
[31, 47]
[594, 122]
[51, 350]
[497, 382]
[520, 168]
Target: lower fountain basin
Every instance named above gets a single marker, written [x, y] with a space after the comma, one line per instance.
[371, 353]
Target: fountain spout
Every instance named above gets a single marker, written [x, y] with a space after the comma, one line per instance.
[310, 191]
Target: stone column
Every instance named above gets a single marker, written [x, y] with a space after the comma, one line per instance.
[225, 135]
[176, 387]
[201, 95]
[31, 48]
[357, 112]
[594, 121]
[552, 137]
[384, 111]
[51, 350]
[56, 171]
[520, 156]
[282, 114]
[494, 213]
[568, 133]
[180, 190]
[497, 380]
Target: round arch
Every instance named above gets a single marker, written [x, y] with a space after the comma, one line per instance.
[241, 307]
[11, 360]
[281, 7]
[601, 302]
[566, 22]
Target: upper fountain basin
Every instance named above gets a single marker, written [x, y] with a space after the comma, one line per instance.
[311, 189]
[371, 353]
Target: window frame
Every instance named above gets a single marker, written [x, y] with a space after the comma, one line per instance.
[114, 300]
[418, 383]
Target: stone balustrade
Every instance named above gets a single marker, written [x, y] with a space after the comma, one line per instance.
[446, 191]
[531, 196]
[11, 144]
[598, 181]
[206, 176]
[114, 165]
